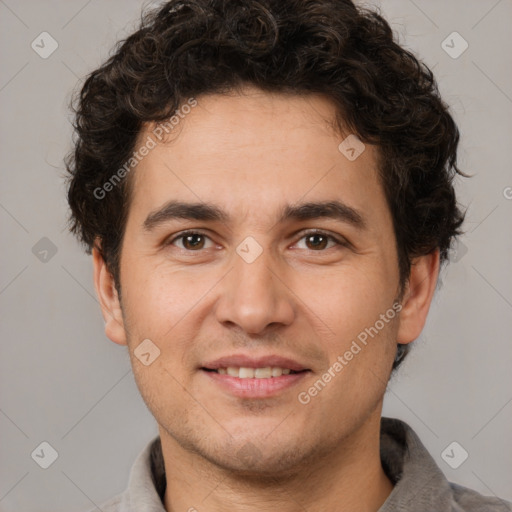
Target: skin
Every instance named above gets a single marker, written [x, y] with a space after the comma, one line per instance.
[250, 153]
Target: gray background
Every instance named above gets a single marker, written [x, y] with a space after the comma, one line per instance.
[62, 381]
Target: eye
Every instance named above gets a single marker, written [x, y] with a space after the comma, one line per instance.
[319, 240]
[190, 240]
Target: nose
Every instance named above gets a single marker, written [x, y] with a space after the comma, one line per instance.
[254, 296]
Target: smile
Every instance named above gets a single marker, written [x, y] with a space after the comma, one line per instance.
[253, 383]
[244, 372]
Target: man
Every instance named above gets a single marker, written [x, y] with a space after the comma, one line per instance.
[266, 189]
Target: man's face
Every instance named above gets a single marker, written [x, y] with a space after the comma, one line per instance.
[257, 288]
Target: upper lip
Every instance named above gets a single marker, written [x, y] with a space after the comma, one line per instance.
[242, 360]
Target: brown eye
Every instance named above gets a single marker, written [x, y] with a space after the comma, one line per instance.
[316, 241]
[319, 241]
[190, 241]
[195, 241]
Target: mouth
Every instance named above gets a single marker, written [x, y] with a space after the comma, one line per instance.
[248, 377]
[244, 372]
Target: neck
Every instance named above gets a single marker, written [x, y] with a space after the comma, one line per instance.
[349, 478]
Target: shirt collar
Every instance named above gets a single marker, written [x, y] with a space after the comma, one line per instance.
[419, 484]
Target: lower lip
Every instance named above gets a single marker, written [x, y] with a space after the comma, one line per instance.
[255, 388]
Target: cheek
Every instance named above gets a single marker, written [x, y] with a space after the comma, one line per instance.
[158, 298]
[160, 388]
[347, 300]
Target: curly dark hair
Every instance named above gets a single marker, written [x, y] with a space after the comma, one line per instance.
[186, 48]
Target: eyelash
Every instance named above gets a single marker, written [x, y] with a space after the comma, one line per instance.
[339, 242]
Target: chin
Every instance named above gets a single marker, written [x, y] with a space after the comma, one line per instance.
[262, 455]
[249, 461]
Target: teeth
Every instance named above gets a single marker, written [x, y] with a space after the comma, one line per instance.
[254, 373]
[246, 373]
[263, 373]
[233, 372]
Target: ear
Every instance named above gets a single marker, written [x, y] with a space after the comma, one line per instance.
[418, 295]
[109, 300]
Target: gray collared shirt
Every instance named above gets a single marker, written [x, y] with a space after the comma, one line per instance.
[419, 484]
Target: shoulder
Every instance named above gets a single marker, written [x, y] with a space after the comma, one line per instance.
[419, 483]
[146, 484]
[469, 500]
[114, 504]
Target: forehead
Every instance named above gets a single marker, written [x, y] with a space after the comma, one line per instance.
[254, 152]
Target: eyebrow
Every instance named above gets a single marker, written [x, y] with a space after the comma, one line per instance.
[302, 211]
